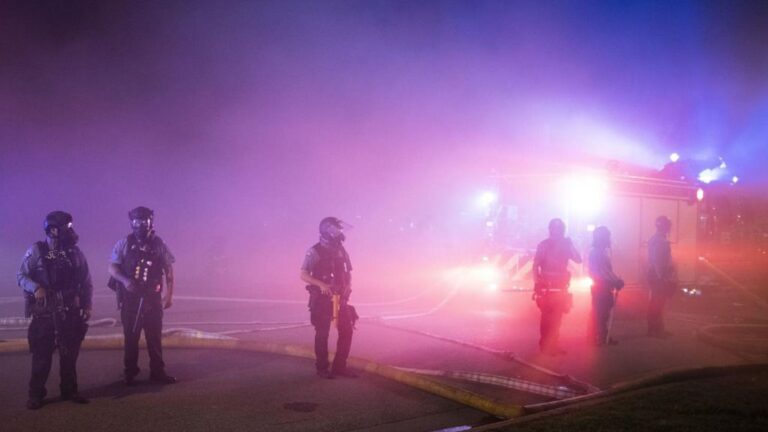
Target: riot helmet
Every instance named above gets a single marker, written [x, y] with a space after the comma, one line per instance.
[141, 222]
[663, 225]
[332, 230]
[58, 226]
[556, 228]
[601, 237]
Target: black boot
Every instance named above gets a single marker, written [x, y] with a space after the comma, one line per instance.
[34, 404]
[162, 378]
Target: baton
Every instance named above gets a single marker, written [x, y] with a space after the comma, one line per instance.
[138, 314]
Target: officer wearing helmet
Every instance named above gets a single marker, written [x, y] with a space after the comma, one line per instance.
[662, 277]
[327, 272]
[605, 284]
[551, 281]
[57, 285]
[137, 266]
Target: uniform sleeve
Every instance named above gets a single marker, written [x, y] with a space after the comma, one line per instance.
[310, 260]
[28, 264]
[85, 284]
[118, 252]
[168, 257]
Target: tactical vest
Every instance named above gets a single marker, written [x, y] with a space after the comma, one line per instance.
[333, 267]
[144, 263]
[57, 272]
[59, 267]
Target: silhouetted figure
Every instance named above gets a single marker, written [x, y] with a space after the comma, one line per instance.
[137, 266]
[551, 277]
[58, 290]
[327, 271]
[662, 277]
[605, 285]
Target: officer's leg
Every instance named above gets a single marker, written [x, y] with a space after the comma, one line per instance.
[603, 313]
[321, 316]
[554, 338]
[551, 318]
[153, 332]
[544, 326]
[655, 306]
[662, 302]
[548, 321]
[74, 332]
[593, 334]
[130, 338]
[344, 344]
[41, 339]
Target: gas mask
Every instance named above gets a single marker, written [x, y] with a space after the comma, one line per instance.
[58, 226]
[141, 222]
[332, 231]
[141, 228]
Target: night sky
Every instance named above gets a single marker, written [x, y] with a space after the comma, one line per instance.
[244, 123]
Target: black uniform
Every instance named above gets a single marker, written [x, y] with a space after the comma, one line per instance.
[58, 321]
[330, 263]
[145, 262]
[550, 268]
[605, 282]
[662, 281]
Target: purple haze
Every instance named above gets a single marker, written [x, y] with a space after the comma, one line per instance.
[244, 123]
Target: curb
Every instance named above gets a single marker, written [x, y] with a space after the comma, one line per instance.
[464, 397]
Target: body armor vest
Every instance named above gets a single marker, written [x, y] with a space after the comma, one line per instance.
[333, 267]
[144, 263]
[58, 273]
[58, 267]
[554, 264]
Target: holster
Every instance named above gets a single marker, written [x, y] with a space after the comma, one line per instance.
[29, 304]
[353, 316]
[314, 295]
[119, 289]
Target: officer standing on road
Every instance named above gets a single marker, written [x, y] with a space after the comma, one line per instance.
[551, 280]
[137, 266]
[662, 277]
[604, 282]
[327, 272]
[57, 286]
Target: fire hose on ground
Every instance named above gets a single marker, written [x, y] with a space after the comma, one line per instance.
[549, 409]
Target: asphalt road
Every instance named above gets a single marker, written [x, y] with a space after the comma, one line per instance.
[442, 329]
[224, 390]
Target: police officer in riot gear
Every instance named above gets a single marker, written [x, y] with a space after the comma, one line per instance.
[57, 285]
[327, 272]
[604, 285]
[551, 281]
[137, 267]
[662, 277]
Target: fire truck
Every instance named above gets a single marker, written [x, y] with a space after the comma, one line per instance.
[520, 208]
